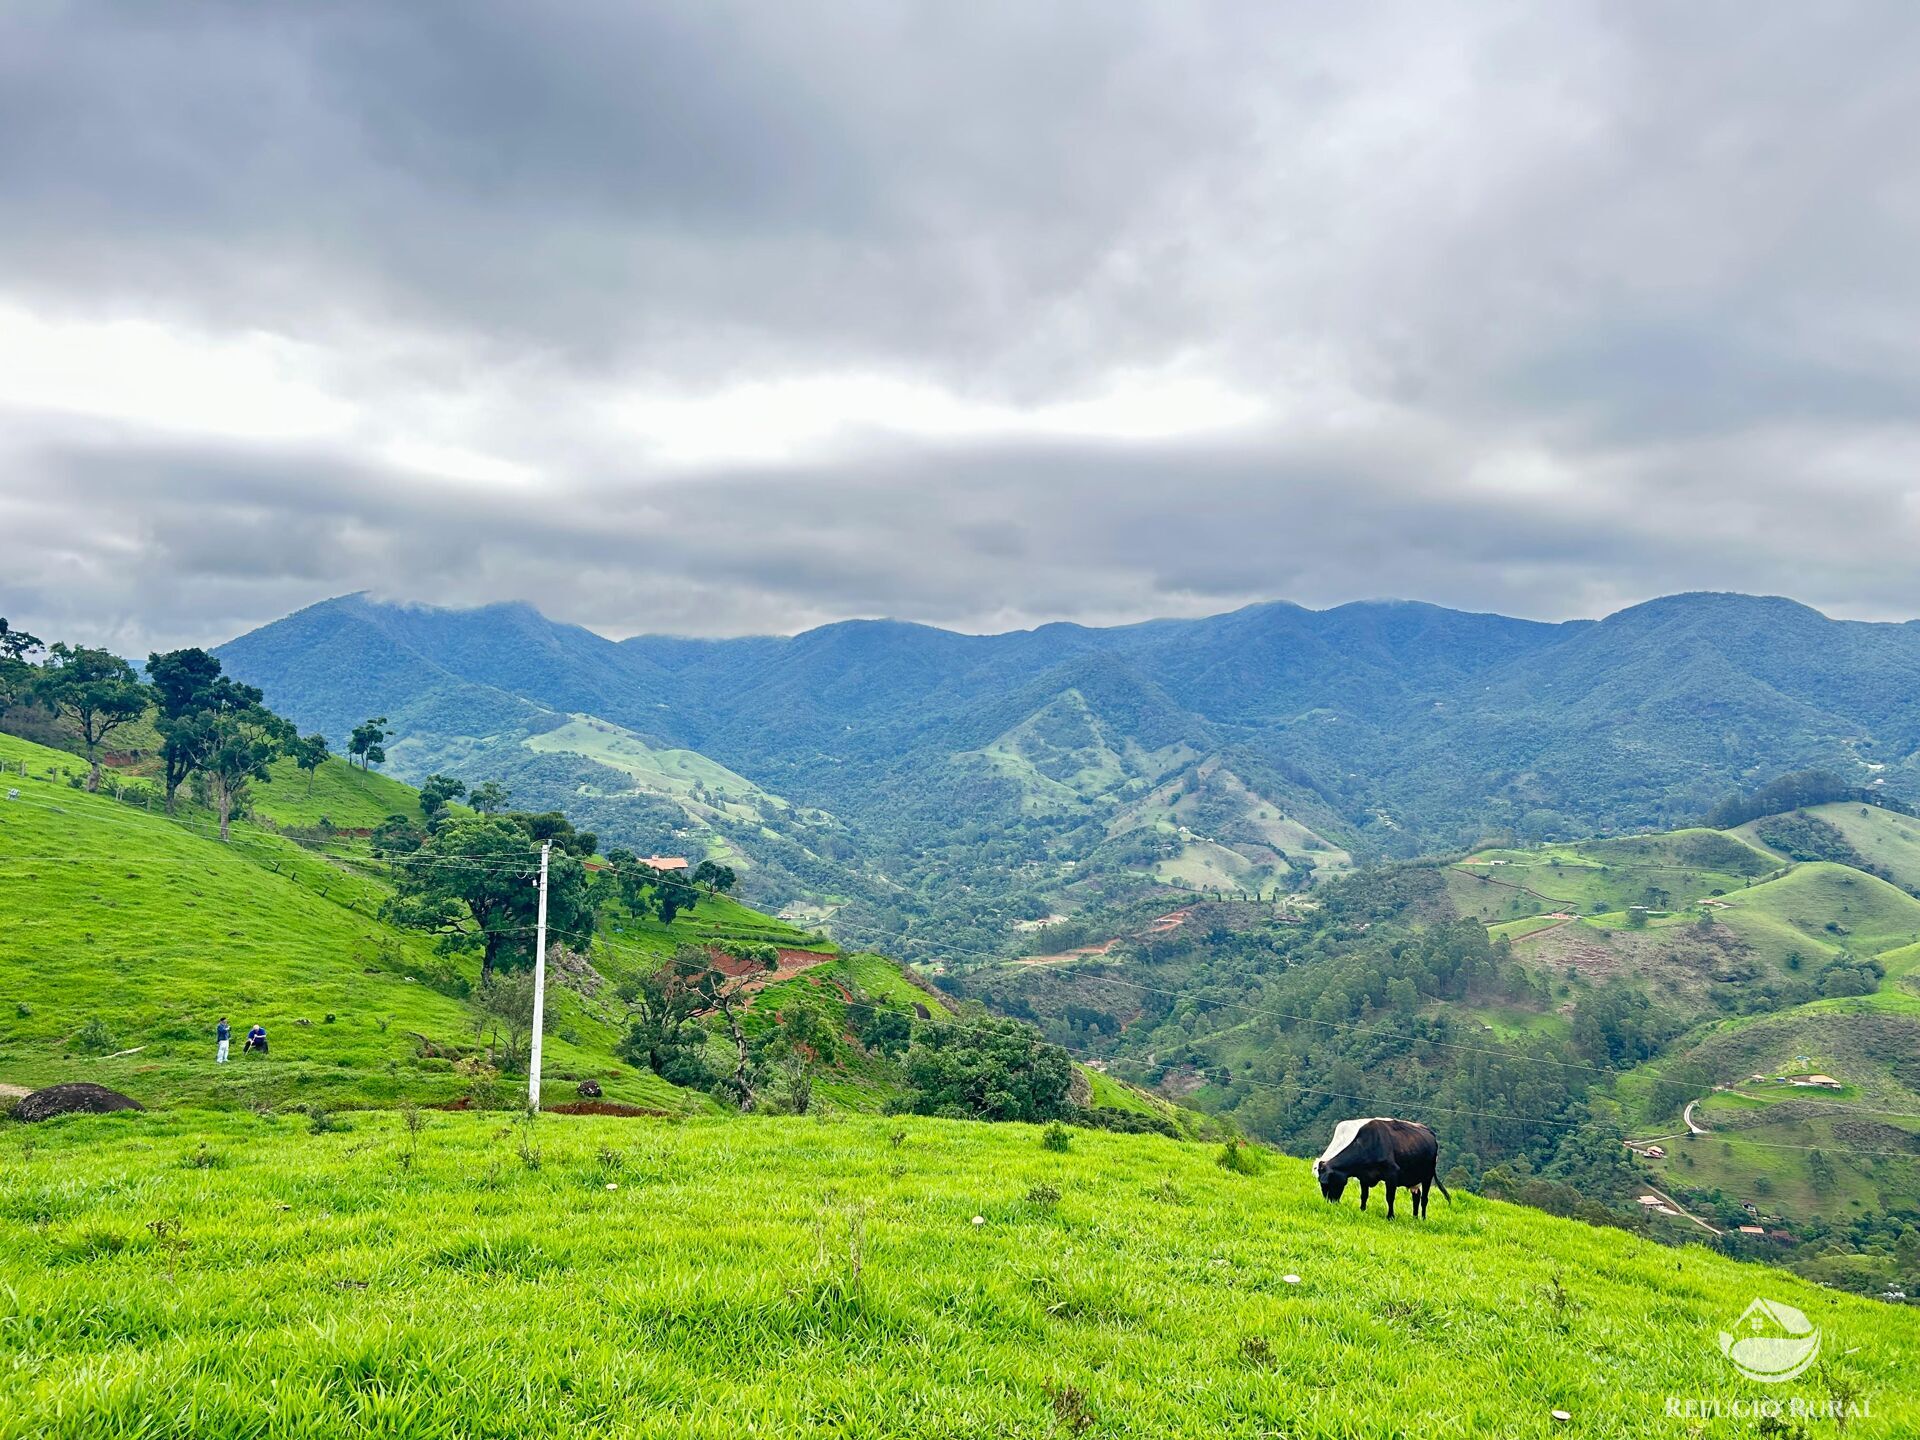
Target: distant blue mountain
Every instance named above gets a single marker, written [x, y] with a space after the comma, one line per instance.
[1387, 727]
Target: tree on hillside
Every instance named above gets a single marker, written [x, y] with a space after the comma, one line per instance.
[555, 826]
[185, 690]
[714, 876]
[16, 673]
[310, 752]
[368, 742]
[988, 1070]
[396, 835]
[490, 797]
[436, 795]
[17, 644]
[97, 690]
[243, 739]
[503, 1012]
[474, 885]
[664, 1033]
[647, 891]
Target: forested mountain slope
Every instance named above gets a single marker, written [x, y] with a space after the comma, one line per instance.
[881, 754]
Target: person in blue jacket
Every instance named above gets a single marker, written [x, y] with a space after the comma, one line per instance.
[223, 1033]
[257, 1038]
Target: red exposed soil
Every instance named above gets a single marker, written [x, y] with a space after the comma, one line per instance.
[845, 994]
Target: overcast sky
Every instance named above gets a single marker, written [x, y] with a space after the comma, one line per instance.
[744, 317]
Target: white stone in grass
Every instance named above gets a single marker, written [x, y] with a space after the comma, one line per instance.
[613, 1185]
[979, 1219]
[1291, 1279]
[1562, 1416]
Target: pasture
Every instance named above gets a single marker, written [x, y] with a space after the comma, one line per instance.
[241, 1275]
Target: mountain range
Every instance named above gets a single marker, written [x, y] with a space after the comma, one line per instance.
[935, 788]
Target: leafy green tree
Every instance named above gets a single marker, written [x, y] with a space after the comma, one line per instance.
[715, 876]
[395, 836]
[368, 743]
[664, 1032]
[17, 644]
[647, 891]
[436, 795]
[474, 884]
[185, 689]
[555, 826]
[244, 738]
[883, 1031]
[489, 797]
[310, 752]
[989, 1069]
[95, 689]
[503, 1012]
[16, 673]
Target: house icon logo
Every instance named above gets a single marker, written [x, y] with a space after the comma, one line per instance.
[1771, 1342]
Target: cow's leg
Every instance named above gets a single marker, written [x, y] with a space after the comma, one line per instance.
[1366, 1189]
[1420, 1201]
[1391, 1190]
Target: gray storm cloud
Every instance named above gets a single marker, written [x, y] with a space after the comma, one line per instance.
[747, 317]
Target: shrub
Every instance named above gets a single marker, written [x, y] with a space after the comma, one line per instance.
[95, 1038]
[1057, 1138]
[1237, 1157]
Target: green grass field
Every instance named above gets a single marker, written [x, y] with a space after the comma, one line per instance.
[1595, 877]
[1820, 910]
[190, 1275]
[156, 930]
[349, 798]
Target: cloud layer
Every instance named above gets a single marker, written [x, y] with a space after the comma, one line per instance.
[747, 317]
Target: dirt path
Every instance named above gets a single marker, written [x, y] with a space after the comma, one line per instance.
[1682, 1210]
[1686, 1115]
[1479, 873]
[1558, 921]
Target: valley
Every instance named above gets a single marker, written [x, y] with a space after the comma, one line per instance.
[939, 787]
[1694, 1043]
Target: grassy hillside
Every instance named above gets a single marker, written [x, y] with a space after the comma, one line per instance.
[719, 1278]
[153, 930]
[345, 796]
[128, 935]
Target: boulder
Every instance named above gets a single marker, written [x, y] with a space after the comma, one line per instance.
[68, 1099]
[590, 1089]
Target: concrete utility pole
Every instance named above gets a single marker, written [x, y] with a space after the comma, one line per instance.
[539, 984]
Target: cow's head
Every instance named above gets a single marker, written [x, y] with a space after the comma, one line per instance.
[1333, 1182]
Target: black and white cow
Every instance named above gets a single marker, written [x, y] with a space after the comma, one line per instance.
[1381, 1152]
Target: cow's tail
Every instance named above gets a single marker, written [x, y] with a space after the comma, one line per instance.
[1443, 1189]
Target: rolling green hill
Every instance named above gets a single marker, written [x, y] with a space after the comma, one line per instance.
[152, 930]
[871, 1276]
[1541, 1007]
[129, 934]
